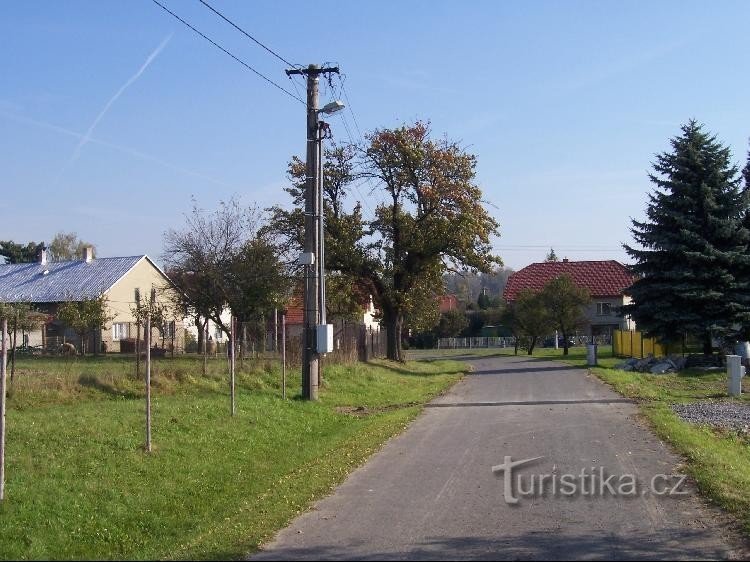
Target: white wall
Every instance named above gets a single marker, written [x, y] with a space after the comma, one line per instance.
[214, 331]
[368, 317]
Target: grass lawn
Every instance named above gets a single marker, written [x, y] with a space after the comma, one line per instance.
[79, 484]
[719, 461]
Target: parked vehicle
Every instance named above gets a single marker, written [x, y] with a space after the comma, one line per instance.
[550, 342]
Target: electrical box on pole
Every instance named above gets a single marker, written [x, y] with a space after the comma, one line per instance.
[325, 338]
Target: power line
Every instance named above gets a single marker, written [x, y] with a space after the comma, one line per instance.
[361, 138]
[349, 105]
[592, 247]
[245, 33]
[215, 44]
[350, 136]
[256, 41]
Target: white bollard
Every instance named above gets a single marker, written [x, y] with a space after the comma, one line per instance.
[591, 355]
[735, 371]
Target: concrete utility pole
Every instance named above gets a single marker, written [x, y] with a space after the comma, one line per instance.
[312, 304]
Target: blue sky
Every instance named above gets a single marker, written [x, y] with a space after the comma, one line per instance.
[564, 103]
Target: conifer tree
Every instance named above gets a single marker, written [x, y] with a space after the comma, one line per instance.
[693, 244]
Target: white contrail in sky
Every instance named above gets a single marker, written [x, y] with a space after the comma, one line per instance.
[124, 149]
[87, 135]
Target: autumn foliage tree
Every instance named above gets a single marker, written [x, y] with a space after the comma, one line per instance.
[431, 220]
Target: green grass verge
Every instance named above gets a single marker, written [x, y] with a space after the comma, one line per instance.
[79, 484]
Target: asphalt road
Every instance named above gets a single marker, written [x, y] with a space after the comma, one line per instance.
[431, 492]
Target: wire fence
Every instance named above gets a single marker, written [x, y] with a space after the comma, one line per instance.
[352, 342]
[475, 342]
[502, 342]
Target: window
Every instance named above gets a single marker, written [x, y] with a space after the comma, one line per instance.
[218, 333]
[603, 309]
[169, 329]
[120, 331]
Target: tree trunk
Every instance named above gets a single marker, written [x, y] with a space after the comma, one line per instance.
[205, 347]
[230, 349]
[199, 326]
[532, 345]
[708, 346]
[394, 323]
[516, 345]
[265, 338]
[566, 342]
[147, 341]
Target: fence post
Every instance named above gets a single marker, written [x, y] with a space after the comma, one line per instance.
[148, 375]
[283, 355]
[230, 350]
[362, 343]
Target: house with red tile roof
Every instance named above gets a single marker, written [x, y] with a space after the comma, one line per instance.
[446, 303]
[295, 317]
[606, 282]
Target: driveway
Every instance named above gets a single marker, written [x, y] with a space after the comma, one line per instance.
[431, 493]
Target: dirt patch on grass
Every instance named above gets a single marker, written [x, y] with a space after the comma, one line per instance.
[362, 411]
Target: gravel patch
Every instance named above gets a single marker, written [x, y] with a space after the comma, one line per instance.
[730, 415]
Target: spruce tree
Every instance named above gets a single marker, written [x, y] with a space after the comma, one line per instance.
[693, 244]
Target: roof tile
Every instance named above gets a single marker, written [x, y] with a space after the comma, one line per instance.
[602, 278]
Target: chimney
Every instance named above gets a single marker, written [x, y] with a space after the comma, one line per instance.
[43, 256]
[565, 260]
[88, 254]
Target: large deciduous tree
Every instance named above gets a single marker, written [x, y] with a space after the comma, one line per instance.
[430, 220]
[219, 260]
[564, 302]
[528, 319]
[66, 246]
[692, 261]
[223, 259]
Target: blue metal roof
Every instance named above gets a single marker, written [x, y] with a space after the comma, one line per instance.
[67, 280]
